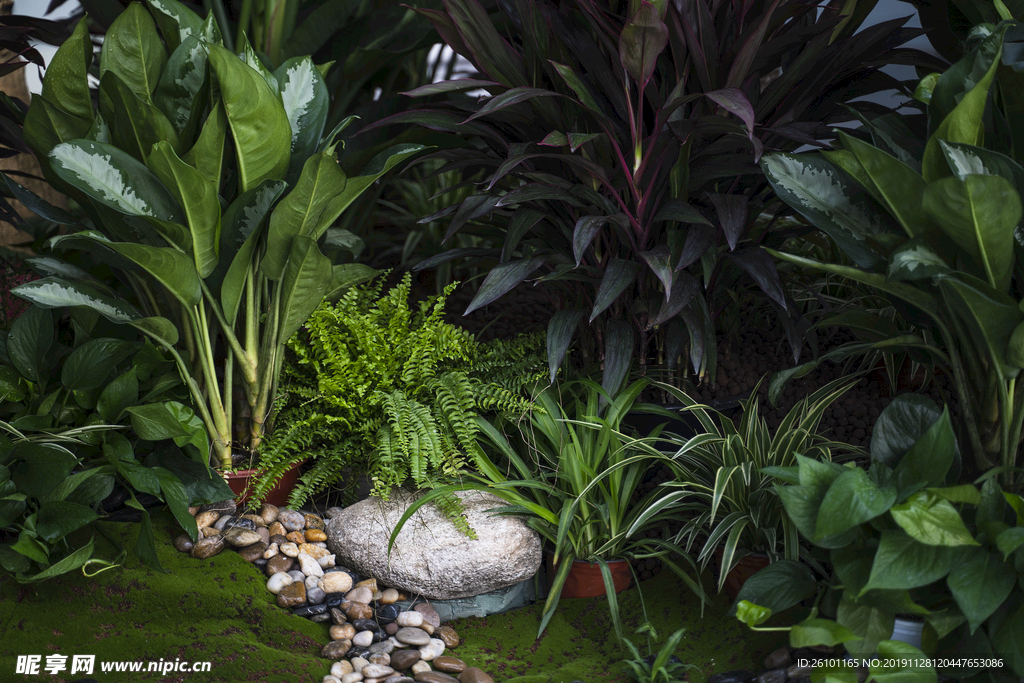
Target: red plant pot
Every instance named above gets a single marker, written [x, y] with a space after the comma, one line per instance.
[241, 483]
[585, 579]
[747, 566]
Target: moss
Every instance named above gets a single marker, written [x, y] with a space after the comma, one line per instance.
[219, 610]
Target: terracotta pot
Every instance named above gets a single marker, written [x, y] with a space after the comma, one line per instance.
[744, 569]
[585, 579]
[239, 482]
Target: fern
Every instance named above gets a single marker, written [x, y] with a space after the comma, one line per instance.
[374, 384]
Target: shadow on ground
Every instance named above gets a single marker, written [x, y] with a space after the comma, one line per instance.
[219, 611]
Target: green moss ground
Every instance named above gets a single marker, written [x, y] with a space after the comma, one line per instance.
[218, 610]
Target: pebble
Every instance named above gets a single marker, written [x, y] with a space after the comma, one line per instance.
[357, 610]
[330, 679]
[279, 563]
[240, 523]
[269, 513]
[296, 537]
[474, 675]
[413, 636]
[315, 535]
[391, 629]
[420, 667]
[449, 664]
[448, 635]
[403, 659]
[389, 596]
[224, 507]
[309, 611]
[342, 632]
[297, 575]
[264, 534]
[341, 668]
[773, 676]
[278, 582]
[277, 529]
[379, 658]
[386, 614]
[208, 518]
[222, 522]
[271, 551]
[778, 659]
[361, 594]
[384, 647]
[251, 553]
[337, 615]
[368, 583]
[327, 561]
[376, 671]
[193, 510]
[353, 677]
[208, 531]
[183, 543]
[310, 567]
[279, 539]
[311, 582]
[336, 649]
[240, 537]
[363, 639]
[315, 596]
[434, 677]
[314, 551]
[358, 663]
[333, 512]
[291, 520]
[734, 676]
[399, 679]
[314, 522]
[255, 519]
[207, 548]
[430, 614]
[433, 649]
[409, 619]
[293, 595]
[290, 549]
[428, 627]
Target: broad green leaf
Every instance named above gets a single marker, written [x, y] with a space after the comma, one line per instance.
[113, 178]
[46, 126]
[28, 344]
[979, 212]
[852, 499]
[259, 123]
[42, 468]
[10, 511]
[899, 662]
[903, 563]
[252, 60]
[980, 585]
[561, 329]
[169, 267]
[751, 614]
[241, 229]
[990, 315]
[307, 276]
[899, 185]
[154, 421]
[827, 197]
[59, 518]
[176, 21]
[207, 155]
[117, 396]
[932, 520]
[1009, 640]
[299, 212]
[1009, 540]
[914, 260]
[198, 198]
[38, 206]
[132, 49]
[65, 83]
[870, 623]
[55, 292]
[145, 544]
[931, 456]
[179, 93]
[135, 125]
[90, 364]
[306, 100]
[176, 497]
[619, 341]
[779, 586]
[900, 426]
[344, 276]
[811, 632]
[501, 279]
[618, 275]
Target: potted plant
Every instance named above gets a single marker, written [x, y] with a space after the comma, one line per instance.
[728, 478]
[376, 385]
[576, 480]
[221, 255]
[903, 537]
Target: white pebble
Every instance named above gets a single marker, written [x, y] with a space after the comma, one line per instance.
[353, 677]
[278, 582]
[336, 582]
[290, 549]
[311, 582]
[363, 639]
[326, 561]
[331, 679]
[413, 619]
[435, 648]
[358, 663]
[341, 668]
[309, 566]
[320, 544]
[271, 551]
[297, 575]
[419, 667]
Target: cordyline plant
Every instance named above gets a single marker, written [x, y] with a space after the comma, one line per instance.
[223, 255]
[621, 149]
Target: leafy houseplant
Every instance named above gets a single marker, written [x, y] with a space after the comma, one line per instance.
[576, 480]
[372, 383]
[937, 228]
[221, 254]
[903, 538]
[729, 475]
[66, 443]
[663, 667]
[621, 144]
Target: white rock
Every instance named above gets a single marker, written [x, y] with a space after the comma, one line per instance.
[430, 556]
[336, 582]
[377, 671]
[278, 582]
[331, 679]
[326, 561]
[435, 648]
[320, 544]
[290, 549]
[419, 667]
[309, 566]
[297, 575]
[409, 619]
[341, 668]
[363, 639]
[271, 551]
[358, 663]
[353, 677]
[311, 582]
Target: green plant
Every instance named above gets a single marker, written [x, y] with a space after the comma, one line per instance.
[65, 442]
[620, 145]
[903, 537]
[577, 476]
[375, 384]
[221, 256]
[664, 667]
[937, 229]
[729, 474]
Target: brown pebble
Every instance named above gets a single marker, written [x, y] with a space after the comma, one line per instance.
[207, 518]
[358, 610]
[429, 613]
[279, 539]
[279, 563]
[474, 675]
[255, 519]
[269, 513]
[209, 531]
[315, 535]
[208, 547]
[391, 629]
[314, 522]
[296, 537]
[448, 635]
[342, 632]
[264, 534]
[448, 664]
[336, 649]
[368, 583]
[292, 596]
[183, 543]
[403, 659]
[338, 617]
[380, 658]
[277, 529]
[251, 553]
[434, 677]
[193, 510]
[224, 507]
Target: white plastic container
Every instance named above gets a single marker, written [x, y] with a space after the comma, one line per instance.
[908, 632]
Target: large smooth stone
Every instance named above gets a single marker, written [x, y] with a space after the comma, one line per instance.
[241, 538]
[278, 582]
[412, 636]
[448, 635]
[336, 649]
[377, 671]
[208, 547]
[291, 520]
[207, 518]
[269, 513]
[474, 675]
[431, 557]
[183, 543]
[309, 566]
[403, 659]
[279, 563]
[251, 553]
[293, 595]
[448, 664]
[434, 677]
[224, 507]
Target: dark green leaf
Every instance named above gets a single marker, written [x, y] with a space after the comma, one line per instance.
[779, 586]
[306, 100]
[618, 354]
[29, 342]
[145, 546]
[501, 279]
[852, 499]
[932, 520]
[561, 329]
[154, 422]
[42, 468]
[176, 497]
[307, 276]
[91, 363]
[902, 563]
[59, 518]
[618, 275]
[900, 426]
[55, 292]
[980, 585]
[132, 49]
